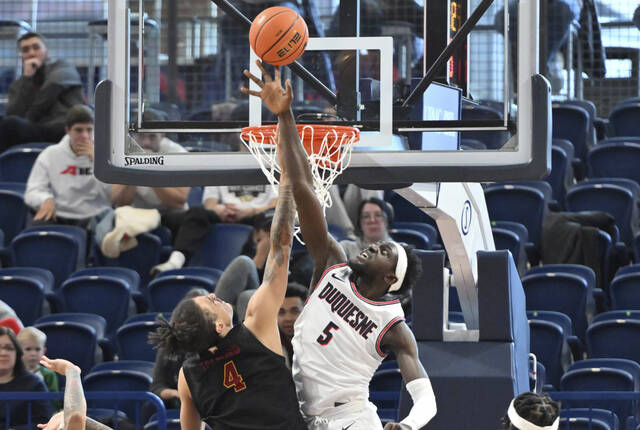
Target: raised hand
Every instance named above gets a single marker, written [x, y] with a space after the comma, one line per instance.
[276, 98]
[59, 365]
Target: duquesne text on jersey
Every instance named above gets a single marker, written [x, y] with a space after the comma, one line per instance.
[346, 310]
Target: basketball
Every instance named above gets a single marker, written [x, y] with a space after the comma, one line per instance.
[278, 35]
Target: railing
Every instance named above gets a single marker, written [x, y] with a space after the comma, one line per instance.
[116, 396]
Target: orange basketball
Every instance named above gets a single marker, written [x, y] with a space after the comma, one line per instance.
[278, 35]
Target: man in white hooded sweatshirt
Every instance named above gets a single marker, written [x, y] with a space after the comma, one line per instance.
[61, 187]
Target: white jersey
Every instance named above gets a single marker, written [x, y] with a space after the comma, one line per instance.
[337, 342]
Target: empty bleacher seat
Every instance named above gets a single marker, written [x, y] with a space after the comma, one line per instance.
[13, 213]
[25, 295]
[140, 258]
[117, 380]
[614, 339]
[412, 237]
[623, 120]
[72, 341]
[203, 272]
[131, 341]
[384, 392]
[165, 292]
[547, 342]
[602, 415]
[614, 160]
[572, 123]
[16, 163]
[617, 315]
[558, 176]
[221, 245]
[615, 363]
[136, 365]
[625, 291]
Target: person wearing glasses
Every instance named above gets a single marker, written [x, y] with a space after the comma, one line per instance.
[374, 220]
[15, 377]
[39, 99]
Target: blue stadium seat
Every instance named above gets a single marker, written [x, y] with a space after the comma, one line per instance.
[117, 380]
[203, 272]
[13, 214]
[518, 203]
[614, 160]
[172, 424]
[612, 339]
[620, 139]
[599, 379]
[602, 415]
[195, 196]
[131, 341]
[221, 245]
[384, 392]
[493, 139]
[572, 123]
[625, 292]
[570, 293]
[167, 291]
[148, 316]
[17, 187]
[411, 237]
[613, 199]
[78, 233]
[140, 259]
[130, 276]
[136, 365]
[42, 275]
[16, 163]
[563, 321]
[558, 176]
[24, 295]
[101, 295]
[623, 120]
[72, 341]
[54, 251]
[505, 239]
[626, 314]
[98, 323]
[615, 363]
[581, 423]
[547, 342]
[425, 228]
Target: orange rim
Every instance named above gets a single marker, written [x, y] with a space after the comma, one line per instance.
[319, 132]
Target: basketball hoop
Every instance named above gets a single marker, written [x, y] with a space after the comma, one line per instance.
[328, 150]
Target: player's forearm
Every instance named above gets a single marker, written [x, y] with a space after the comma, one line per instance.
[295, 156]
[122, 195]
[281, 233]
[74, 403]
[95, 425]
[172, 197]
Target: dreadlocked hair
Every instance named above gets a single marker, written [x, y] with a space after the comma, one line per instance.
[191, 330]
[538, 409]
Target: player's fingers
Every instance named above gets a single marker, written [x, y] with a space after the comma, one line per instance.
[251, 92]
[265, 74]
[277, 74]
[253, 78]
[289, 89]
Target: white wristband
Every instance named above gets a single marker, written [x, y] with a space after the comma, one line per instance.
[424, 403]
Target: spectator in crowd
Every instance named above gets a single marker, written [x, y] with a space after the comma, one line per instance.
[372, 225]
[227, 204]
[32, 341]
[532, 411]
[288, 314]
[61, 187]
[15, 377]
[41, 98]
[6, 312]
[162, 198]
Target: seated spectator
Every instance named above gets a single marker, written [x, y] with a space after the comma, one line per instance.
[531, 411]
[288, 315]
[372, 225]
[14, 377]
[233, 204]
[41, 98]
[162, 198]
[61, 187]
[7, 311]
[33, 341]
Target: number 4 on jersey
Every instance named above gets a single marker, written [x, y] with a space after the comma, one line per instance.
[232, 379]
[326, 335]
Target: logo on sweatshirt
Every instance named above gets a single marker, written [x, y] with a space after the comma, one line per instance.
[75, 170]
[144, 161]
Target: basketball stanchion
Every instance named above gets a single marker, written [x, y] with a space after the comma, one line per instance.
[328, 149]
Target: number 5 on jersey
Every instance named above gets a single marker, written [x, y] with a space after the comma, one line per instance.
[326, 335]
[232, 379]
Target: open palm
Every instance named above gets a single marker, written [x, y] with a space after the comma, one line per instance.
[276, 98]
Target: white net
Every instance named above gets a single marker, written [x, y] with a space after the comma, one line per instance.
[328, 151]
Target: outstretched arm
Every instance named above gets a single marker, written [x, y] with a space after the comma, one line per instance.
[323, 248]
[401, 341]
[262, 310]
[75, 406]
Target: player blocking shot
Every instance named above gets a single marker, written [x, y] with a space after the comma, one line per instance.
[351, 320]
[238, 379]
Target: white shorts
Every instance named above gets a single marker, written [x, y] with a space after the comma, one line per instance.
[355, 415]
